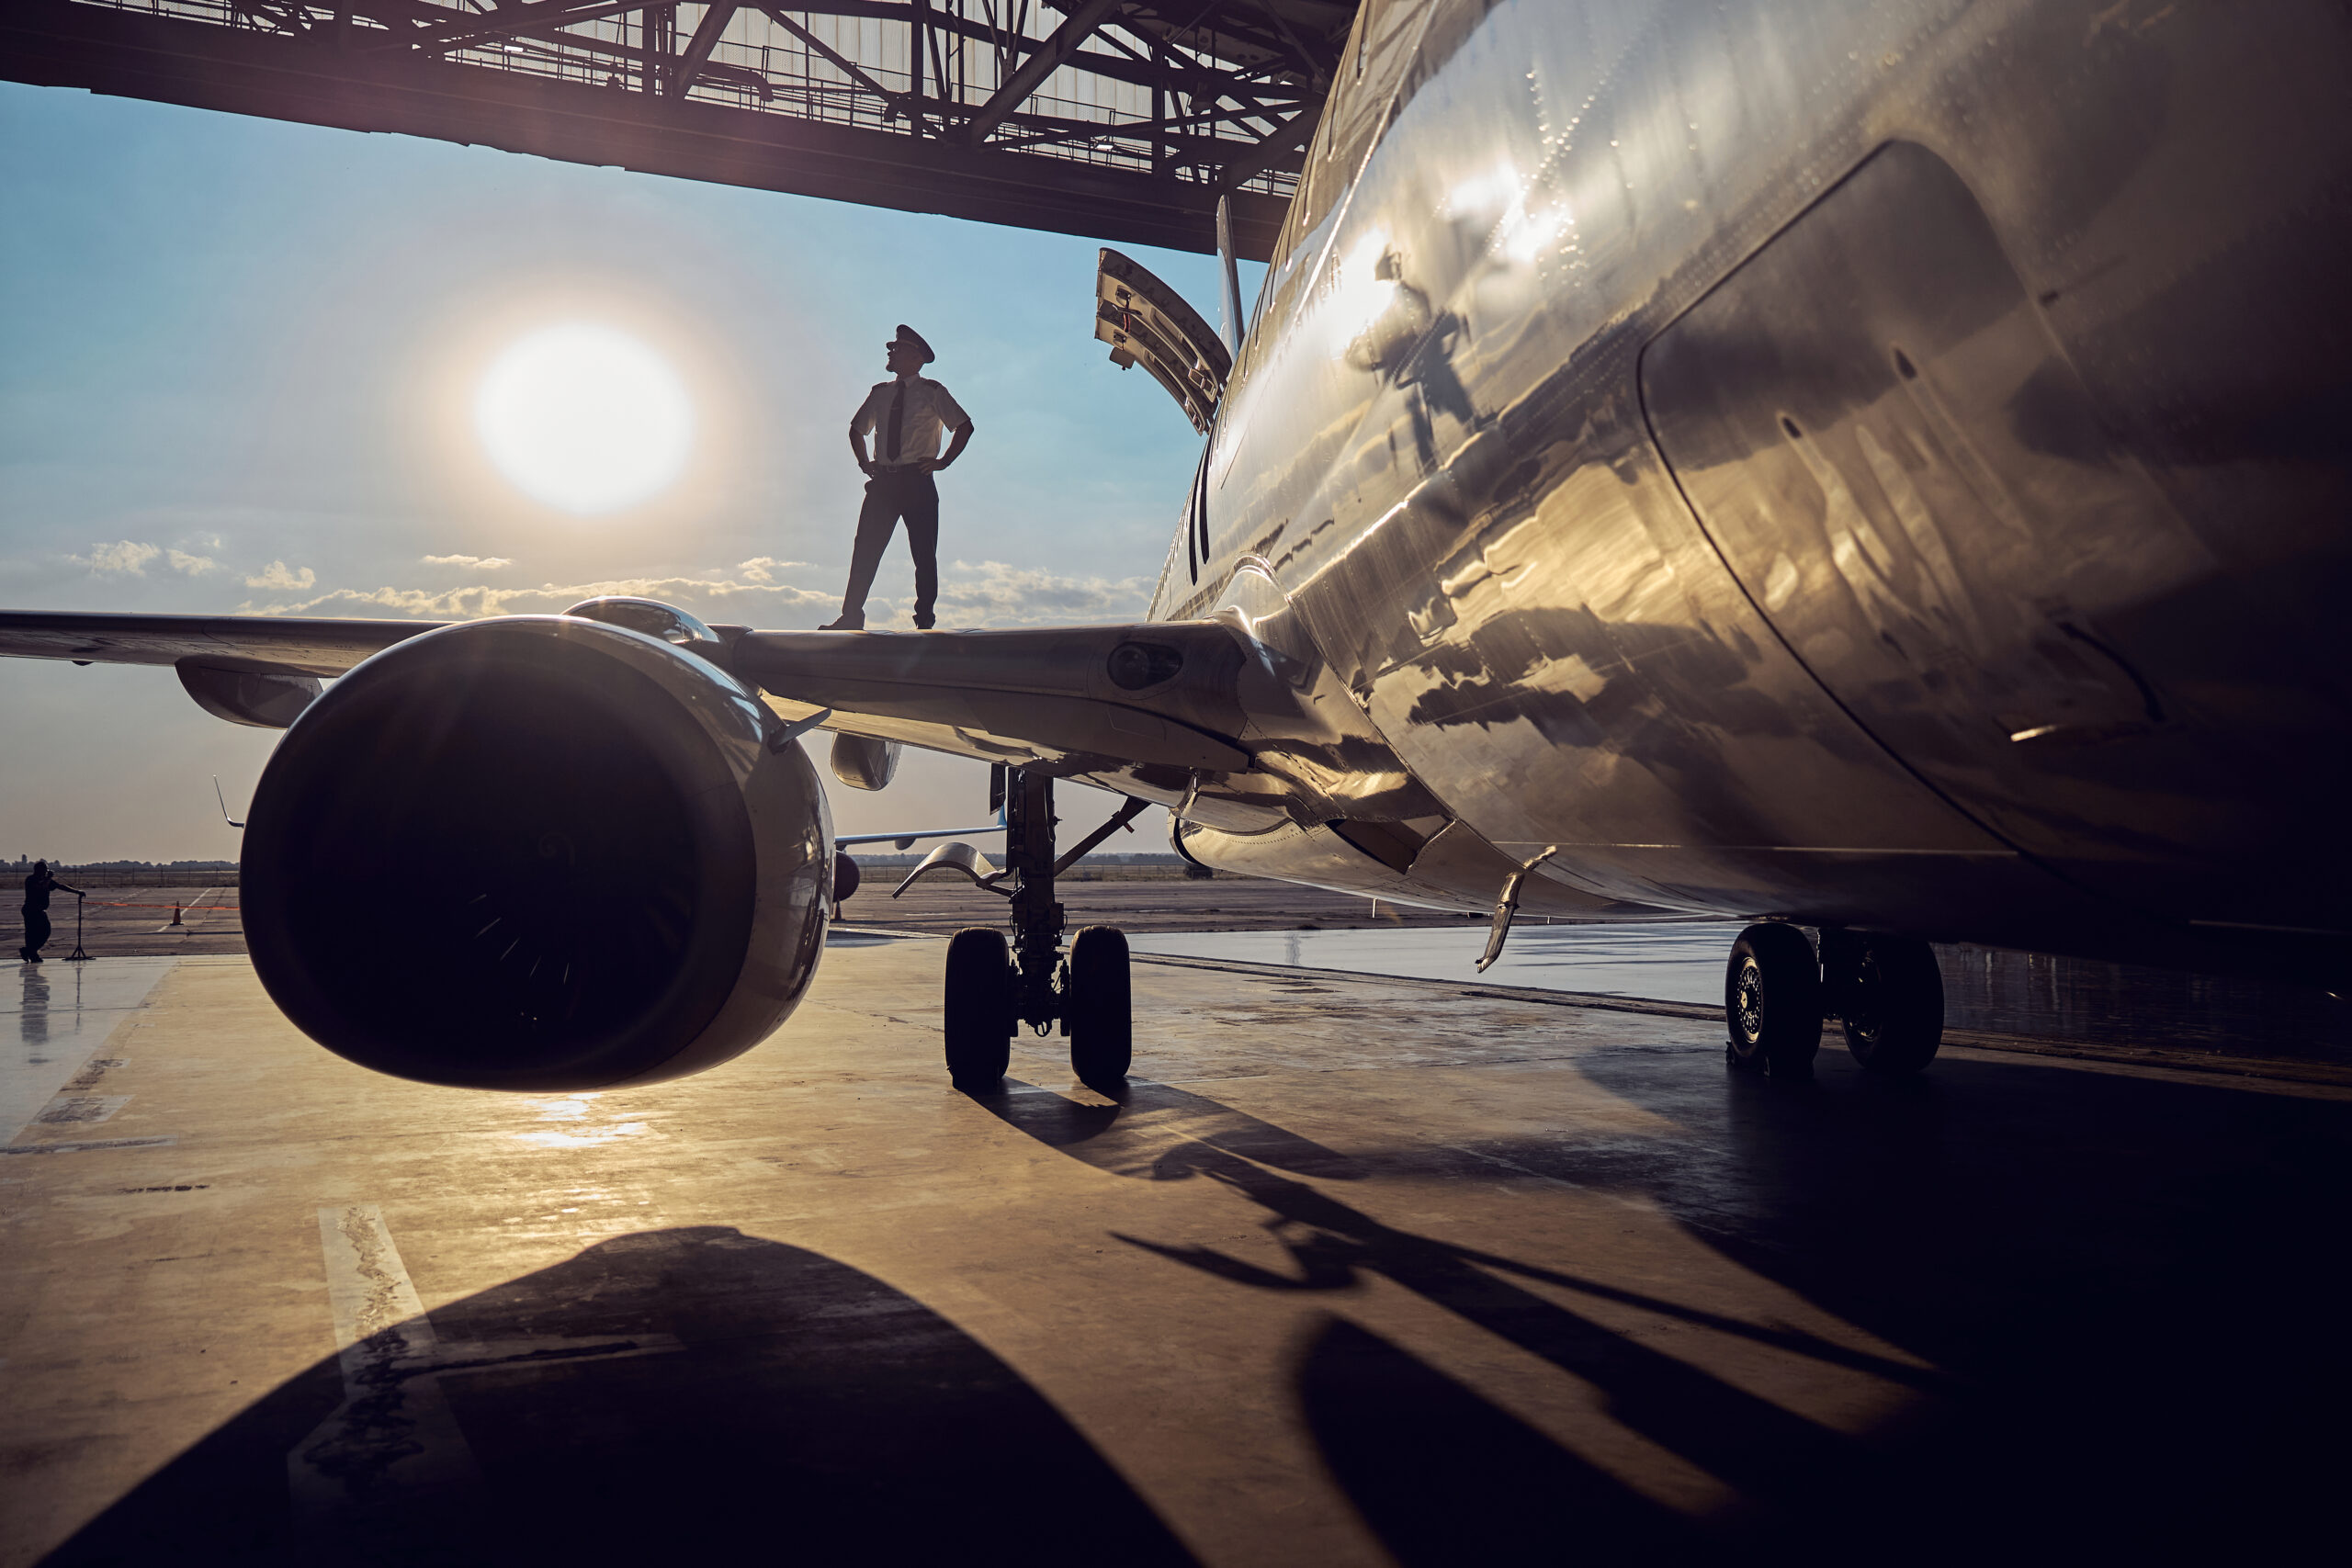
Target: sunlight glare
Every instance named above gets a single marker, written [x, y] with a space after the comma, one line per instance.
[584, 419]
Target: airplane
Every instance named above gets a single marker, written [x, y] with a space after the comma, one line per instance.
[1874, 468]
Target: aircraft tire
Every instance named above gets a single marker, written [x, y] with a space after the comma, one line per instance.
[1772, 1001]
[1098, 1005]
[980, 1000]
[1893, 1011]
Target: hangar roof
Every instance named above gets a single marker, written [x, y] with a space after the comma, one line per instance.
[1117, 119]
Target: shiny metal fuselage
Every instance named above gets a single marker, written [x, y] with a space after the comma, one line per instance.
[1880, 465]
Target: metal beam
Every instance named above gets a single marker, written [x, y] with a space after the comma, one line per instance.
[204, 65]
[699, 48]
[1316, 73]
[1049, 57]
[892, 102]
[1293, 135]
[465, 28]
[658, 24]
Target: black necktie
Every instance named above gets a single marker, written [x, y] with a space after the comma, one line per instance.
[890, 436]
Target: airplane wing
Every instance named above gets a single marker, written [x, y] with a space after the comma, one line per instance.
[263, 644]
[1192, 711]
[1262, 748]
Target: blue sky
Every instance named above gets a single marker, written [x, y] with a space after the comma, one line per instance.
[236, 365]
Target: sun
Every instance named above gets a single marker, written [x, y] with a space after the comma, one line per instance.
[584, 419]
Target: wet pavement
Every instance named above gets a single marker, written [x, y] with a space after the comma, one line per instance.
[1987, 990]
[1355, 1272]
[1680, 961]
[51, 1022]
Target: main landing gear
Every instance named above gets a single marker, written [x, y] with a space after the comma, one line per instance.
[994, 986]
[1886, 991]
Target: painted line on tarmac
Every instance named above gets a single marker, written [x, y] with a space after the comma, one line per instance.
[393, 1441]
[92, 1144]
[394, 1444]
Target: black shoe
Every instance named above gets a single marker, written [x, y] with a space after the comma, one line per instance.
[844, 623]
[923, 623]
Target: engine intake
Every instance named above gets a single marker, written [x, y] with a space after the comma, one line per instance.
[536, 853]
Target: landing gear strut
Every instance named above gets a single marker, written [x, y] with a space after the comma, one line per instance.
[994, 986]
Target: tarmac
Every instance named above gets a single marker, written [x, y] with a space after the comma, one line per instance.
[1358, 1270]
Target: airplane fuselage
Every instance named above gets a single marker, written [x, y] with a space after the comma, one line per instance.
[1876, 465]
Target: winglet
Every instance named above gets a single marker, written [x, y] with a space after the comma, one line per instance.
[225, 803]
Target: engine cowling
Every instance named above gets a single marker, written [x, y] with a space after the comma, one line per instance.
[536, 853]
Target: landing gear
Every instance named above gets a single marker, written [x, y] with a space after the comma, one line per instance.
[993, 990]
[1095, 1007]
[1889, 994]
[1772, 1001]
[979, 1008]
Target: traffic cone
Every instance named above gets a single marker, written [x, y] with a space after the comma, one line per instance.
[176, 916]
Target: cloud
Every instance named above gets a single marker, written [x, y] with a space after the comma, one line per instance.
[476, 563]
[763, 568]
[124, 557]
[994, 595]
[194, 566]
[988, 594]
[276, 575]
[481, 599]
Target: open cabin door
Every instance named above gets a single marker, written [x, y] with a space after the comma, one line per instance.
[1145, 322]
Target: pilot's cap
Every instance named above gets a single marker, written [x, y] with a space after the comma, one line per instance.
[910, 338]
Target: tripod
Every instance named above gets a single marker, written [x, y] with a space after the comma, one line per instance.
[78, 956]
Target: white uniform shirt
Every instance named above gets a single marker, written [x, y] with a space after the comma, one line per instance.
[930, 409]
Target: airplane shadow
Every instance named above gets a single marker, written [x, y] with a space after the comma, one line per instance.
[1443, 1477]
[2127, 1290]
[1159, 1132]
[683, 1396]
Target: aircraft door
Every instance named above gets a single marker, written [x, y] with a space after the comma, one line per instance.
[1145, 322]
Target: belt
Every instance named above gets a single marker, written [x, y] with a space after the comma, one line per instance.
[896, 469]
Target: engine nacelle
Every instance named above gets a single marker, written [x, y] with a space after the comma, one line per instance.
[536, 853]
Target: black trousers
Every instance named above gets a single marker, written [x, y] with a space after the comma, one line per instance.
[36, 929]
[892, 494]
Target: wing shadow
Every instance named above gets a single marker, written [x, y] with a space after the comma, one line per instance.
[690, 1394]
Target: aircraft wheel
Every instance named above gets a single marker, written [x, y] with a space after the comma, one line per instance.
[1098, 1007]
[1772, 1001]
[980, 1009]
[1893, 1005]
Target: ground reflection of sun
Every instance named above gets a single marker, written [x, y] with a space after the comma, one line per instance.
[576, 1108]
[584, 419]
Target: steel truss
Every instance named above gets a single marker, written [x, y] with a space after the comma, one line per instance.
[1118, 119]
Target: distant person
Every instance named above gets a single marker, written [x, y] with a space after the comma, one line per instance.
[37, 888]
[905, 416]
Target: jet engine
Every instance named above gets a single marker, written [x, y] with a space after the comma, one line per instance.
[538, 853]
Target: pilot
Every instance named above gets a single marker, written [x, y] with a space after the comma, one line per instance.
[36, 910]
[905, 416]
